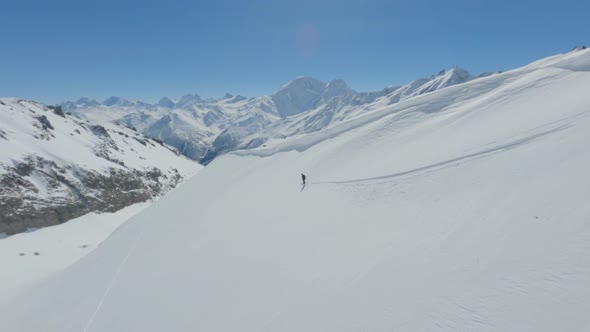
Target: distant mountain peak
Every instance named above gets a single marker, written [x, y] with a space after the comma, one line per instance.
[298, 95]
[452, 76]
[337, 83]
[452, 71]
[303, 82]
[238, 98]
[457, 69]
[85, 101]
[166, 102]
[111, 101]
[189, 99]
[336, 88]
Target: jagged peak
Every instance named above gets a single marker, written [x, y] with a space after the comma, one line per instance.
[338, 82]
[87, 101]
[238, 98]
[336, 88]
[166, 102]
[457, 73]
[298, 95]
[303, 81]
[110, 101]
[188, 98]
[457, 70]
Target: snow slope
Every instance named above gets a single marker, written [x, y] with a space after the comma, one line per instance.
[29, 257]
[465, 209]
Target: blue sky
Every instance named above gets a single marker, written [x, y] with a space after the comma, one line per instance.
[54, 50]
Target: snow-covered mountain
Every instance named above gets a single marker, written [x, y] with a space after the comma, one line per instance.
[463, 209]
[200, 129]
[203, 129]
[55, 166]
[338, 103]
[299, 95]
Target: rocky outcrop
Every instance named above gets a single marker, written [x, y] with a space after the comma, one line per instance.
[70, 193]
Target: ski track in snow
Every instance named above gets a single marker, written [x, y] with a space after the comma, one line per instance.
[59, 246]
[449, 162]
[113, 280]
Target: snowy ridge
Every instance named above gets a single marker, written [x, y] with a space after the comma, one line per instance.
[338, 104]
[464, 209]
[416, 101]
[55, 167]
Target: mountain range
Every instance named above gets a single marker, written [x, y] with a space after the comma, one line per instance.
[202, 129]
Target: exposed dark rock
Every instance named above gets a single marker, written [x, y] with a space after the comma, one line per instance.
[141, 141]
[99, 131]
[57, 110]
[84, 191]
[24, 168]
[45, 124]
[159, 141]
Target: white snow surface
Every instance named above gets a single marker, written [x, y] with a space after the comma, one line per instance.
[57, 247]
[464, 209]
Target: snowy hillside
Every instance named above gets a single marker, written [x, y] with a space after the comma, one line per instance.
[55, 167]
[203, 129]
[464, 209]
[29, 257]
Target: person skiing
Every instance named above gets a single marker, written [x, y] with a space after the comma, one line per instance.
[303, 178]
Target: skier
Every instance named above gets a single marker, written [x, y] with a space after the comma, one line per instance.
[303, 178]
